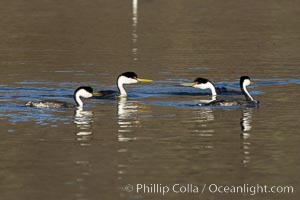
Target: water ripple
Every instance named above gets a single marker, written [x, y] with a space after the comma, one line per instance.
[13, 99]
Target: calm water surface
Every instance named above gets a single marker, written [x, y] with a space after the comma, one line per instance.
[158, 135]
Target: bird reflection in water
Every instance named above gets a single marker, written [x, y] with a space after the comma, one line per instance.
[202, 118]
[204, 115]
[83, 120]
[127, 119]
[246, 127]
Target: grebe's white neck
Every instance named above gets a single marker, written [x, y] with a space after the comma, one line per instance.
[213, 92]
[78, 100]
[213, 97]
[212, 89]
[123, 92]
[245, 91]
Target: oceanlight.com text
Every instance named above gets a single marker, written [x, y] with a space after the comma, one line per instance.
[208, 188]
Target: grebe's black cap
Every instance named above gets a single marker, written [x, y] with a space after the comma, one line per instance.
[87, 88]
[201, 80]
[244, 78]
[129, 75]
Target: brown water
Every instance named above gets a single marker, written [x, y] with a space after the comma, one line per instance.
[158, 135]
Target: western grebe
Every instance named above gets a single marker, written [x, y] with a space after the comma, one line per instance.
[83, 91]
[244, 82]
[123, 79]
[203, 83]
